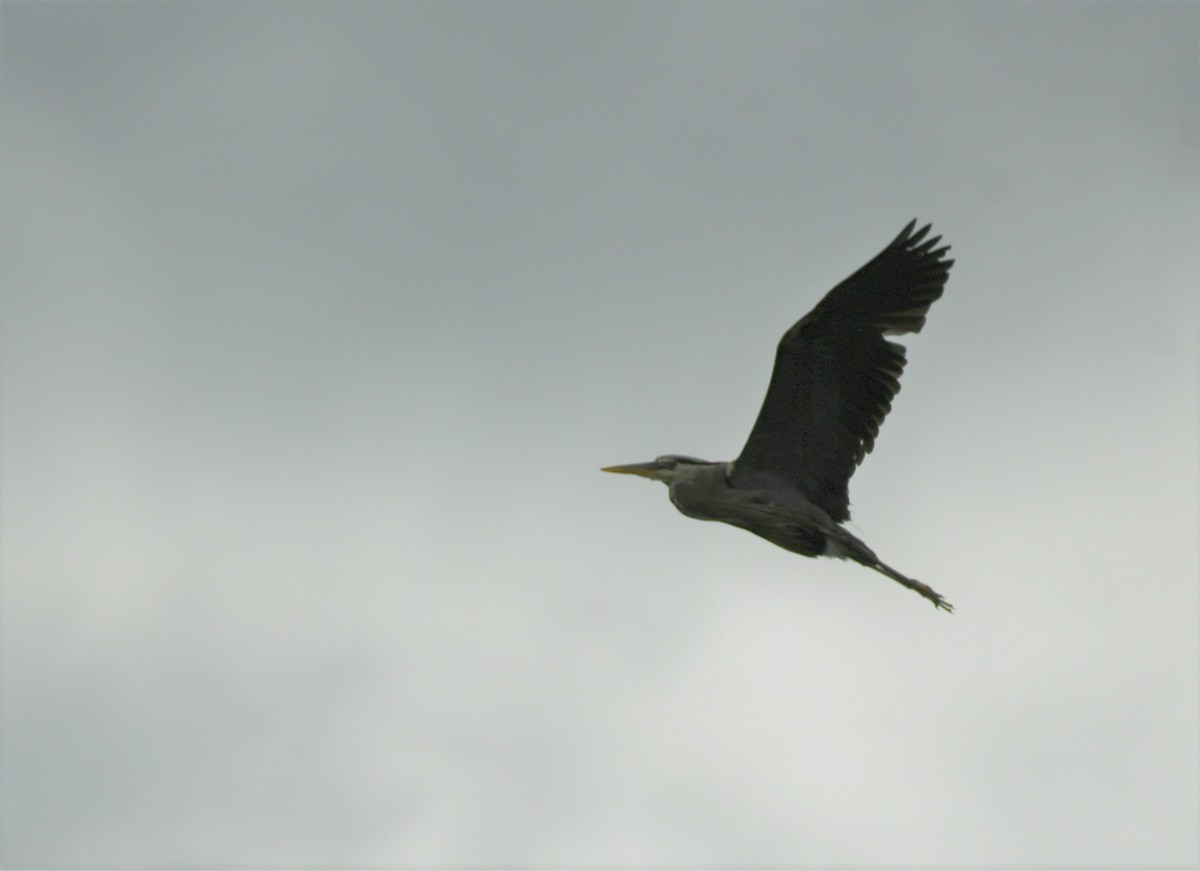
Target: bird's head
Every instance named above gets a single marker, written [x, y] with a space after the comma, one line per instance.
[667, 468]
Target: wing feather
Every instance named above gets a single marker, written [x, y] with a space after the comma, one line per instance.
[835, 374]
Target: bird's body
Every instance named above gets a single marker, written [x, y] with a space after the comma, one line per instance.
[834, 378]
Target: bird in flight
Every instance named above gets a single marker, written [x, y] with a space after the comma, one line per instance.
[834, 380]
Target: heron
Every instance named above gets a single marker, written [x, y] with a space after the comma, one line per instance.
[834, 380]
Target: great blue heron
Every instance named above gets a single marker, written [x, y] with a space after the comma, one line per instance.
[834, 380]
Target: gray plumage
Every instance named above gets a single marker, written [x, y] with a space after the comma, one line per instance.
[832, 386]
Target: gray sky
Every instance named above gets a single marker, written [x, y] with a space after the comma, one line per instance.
[319, 319]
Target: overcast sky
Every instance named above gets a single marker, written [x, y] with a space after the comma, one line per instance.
[319, 320]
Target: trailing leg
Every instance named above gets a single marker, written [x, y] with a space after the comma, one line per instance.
[924, 589]
[843, 545]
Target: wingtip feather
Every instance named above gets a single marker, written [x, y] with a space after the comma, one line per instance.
[904, 234]
[918, 236]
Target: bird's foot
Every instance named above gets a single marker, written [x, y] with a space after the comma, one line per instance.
[916, 586]
[933, 595]
[939, 602]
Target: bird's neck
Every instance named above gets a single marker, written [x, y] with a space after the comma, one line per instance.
[694, 493]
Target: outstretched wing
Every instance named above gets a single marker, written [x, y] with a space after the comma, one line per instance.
[835, 373]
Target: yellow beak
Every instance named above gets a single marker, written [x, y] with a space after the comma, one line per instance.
[646, 470]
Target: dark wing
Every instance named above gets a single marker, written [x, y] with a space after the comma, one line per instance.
[835, 373]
